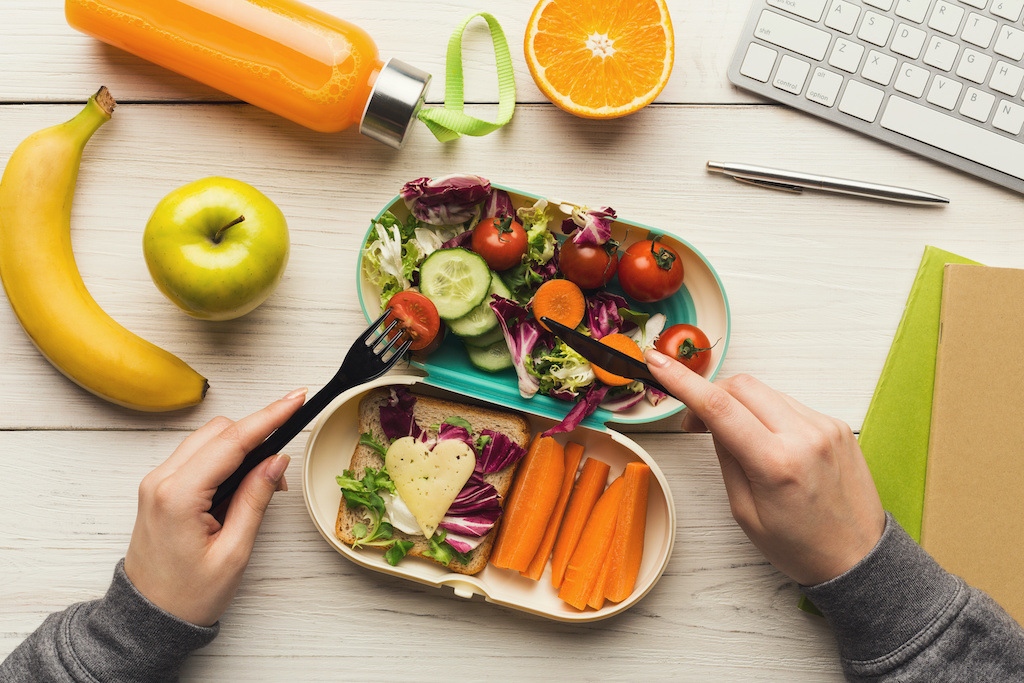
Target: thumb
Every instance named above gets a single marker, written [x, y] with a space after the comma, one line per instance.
[245, 513]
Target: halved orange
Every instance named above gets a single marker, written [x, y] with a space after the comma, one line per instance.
[600, 59]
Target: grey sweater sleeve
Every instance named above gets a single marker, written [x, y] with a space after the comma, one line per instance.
[898, 616]
[119, 638]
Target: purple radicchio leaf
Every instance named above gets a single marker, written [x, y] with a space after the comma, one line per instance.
[593, 226]
[522, 333]
[475, 510]
[655, 396]
[499, 453]
[462, 544]
[585, 407]
[446, 200]
[450, 431]
[624, 401]
[461, 240]
[498, 204]
[603, 317]
[396, 415]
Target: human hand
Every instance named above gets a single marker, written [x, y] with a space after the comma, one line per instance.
[180, 557]
[798, 484]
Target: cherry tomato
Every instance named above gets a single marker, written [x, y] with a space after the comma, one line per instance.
[688, 345]
[418, 316]
[589, 266]
[650, 271]
[501, 241]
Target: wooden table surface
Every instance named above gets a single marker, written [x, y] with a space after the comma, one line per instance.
[816, 283]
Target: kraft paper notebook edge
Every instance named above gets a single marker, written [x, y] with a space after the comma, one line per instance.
[972, 516]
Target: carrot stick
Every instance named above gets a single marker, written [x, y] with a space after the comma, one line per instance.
[585, 493]
[573, 455]
[560, 300]
[530, 504]
[584, 568]
[596, 599]
[619, 342]
[627, 548]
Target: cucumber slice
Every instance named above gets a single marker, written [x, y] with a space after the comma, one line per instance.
[455, 280]
[482, 318]
[491, 358]
[486, 339]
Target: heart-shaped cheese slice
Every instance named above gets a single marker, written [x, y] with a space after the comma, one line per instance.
[428, 480]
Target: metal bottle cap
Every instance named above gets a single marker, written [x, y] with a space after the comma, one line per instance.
[397, 96]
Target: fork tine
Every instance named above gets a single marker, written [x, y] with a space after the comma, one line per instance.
[372, 328]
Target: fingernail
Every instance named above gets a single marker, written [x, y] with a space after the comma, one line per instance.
[295, 394]
[277, 466]
[656, 358]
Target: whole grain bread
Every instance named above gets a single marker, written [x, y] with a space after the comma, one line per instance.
[432, 411]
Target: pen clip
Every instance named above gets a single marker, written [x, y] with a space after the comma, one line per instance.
[795, 189]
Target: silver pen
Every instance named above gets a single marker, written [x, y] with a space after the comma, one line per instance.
[793, 181]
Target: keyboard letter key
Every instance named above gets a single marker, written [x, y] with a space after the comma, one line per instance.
[1006, 78]
[1009, 117]
[861, 101]
[977, 104]
[914, 10]
[875, 29]
[908, 41]
[945, 92]
[941, 53]
[792, 35]
[974, 66]
[846, 55]
[842, 16]
[946, 18]
[979, 30]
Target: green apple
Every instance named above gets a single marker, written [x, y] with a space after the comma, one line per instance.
[216, 247]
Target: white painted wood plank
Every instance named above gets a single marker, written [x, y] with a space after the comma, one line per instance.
[42, 59]
[306, 613]
[816, 283]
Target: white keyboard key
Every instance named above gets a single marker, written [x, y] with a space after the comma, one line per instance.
[912, 80]
[913, 10]
[946, 18]
[1009, 117]
[980, 4]
[973, 66]
[808, 9]
[861, 101]
[791, 74]
[792, 35]
[758, 62]
[885, 5]
[977, 104]
[846, 55]
[842, 16]
[958, 137]
[824, 87]
[875, 29]
[945, 92]
[1010, 43]
[941, 53]
[1007, 9]
[879, 67]
[908, 41]
[1006, 78]
[978, 30]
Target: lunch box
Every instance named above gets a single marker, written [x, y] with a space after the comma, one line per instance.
[447, 373]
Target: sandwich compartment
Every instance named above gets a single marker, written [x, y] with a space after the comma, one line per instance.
[448, 374]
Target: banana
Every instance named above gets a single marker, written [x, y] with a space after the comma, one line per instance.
[46, 291]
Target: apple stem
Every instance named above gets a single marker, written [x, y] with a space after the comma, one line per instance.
[220, 233]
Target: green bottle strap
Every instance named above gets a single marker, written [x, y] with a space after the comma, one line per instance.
[450, 122]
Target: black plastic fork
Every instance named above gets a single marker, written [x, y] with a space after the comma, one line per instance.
[372, 354]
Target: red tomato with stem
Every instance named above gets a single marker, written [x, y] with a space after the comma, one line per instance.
[688, 345]
[418, 316]
[588, 265]
[650, 271]
[501, 241]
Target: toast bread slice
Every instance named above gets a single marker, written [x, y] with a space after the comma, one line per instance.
[431, 411]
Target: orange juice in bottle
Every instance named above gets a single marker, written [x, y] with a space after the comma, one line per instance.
[286, 57]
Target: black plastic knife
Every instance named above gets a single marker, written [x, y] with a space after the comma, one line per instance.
[604, 356]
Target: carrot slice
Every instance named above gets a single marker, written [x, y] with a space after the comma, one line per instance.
[619, 342]
[627, 548]
[596, 599]
[573, 455]
[530, 504]
[585, 493]
[584, 568]
[560, 300]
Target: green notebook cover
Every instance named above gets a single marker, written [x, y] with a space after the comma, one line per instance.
[894, 436]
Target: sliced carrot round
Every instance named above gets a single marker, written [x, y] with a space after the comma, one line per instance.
[560, 300]
[619, 342]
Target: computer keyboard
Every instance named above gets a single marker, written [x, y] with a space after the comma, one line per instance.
[938, 77]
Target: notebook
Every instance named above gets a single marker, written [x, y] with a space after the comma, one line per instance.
[973, 522]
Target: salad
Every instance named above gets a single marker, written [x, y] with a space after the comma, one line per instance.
[479, 266]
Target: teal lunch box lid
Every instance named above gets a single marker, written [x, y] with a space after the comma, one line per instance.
[701, 301]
